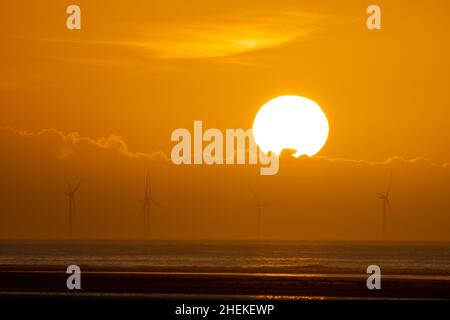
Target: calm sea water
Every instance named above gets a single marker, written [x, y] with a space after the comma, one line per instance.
[274, 257]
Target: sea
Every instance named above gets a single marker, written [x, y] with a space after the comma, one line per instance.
[269, 257]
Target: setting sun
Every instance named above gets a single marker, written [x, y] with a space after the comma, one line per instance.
[291, 122]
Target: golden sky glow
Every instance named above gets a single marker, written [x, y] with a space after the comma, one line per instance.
[101, 103]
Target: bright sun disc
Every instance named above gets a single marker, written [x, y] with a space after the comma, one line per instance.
[291, 122]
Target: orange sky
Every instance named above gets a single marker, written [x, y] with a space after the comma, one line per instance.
[138, 72]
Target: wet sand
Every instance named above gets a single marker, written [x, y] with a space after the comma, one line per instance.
[16, 282]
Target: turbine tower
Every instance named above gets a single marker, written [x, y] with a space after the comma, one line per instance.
[259, 206]
[384, 197]
[146, 205]
[71, 196]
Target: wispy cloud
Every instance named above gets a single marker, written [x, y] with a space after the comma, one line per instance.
[218, 38]
[212, 39]
[388, 161]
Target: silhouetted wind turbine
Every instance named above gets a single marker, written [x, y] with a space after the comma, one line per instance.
[71, 195]
[259, 206]
[146, 204]
[386, 205]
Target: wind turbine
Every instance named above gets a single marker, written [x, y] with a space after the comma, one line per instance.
[259, 206]
[386, 205]
[146, 204]
[71, 195]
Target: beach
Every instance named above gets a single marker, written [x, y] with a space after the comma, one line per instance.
[216, 270]
[193, 285]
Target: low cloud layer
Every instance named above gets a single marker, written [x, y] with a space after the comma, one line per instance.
[311, 198]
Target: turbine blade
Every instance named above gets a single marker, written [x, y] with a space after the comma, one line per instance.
[77, 186]
[149, 186]
[255, 196]
[157, 203]
[389, 186]
[265, 204]
[146, 186]
[68, 184]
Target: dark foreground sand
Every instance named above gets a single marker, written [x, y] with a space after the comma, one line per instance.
[51, 282]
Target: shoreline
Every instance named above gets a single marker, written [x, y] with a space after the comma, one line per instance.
[407, 273]
[244, 274]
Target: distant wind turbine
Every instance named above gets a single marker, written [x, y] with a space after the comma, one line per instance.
[259, 206]
[384, 197]
[71, 196]
[146, 204]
